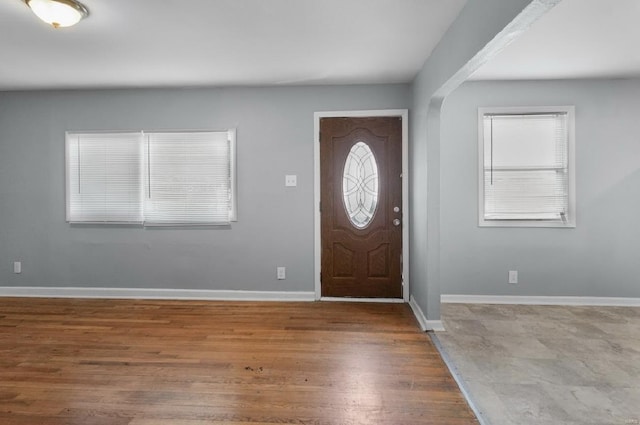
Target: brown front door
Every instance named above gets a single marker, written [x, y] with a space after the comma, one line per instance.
[361, 202]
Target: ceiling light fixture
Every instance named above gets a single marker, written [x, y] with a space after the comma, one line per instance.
[58, 13]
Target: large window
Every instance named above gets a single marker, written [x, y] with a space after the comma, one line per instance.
[526, 167]
[151, 178]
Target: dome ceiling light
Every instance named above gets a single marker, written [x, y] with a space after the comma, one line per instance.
[58, 13]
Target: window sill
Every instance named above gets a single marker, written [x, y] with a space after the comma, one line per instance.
[527, 223]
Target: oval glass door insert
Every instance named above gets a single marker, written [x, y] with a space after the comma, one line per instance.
[360, 185]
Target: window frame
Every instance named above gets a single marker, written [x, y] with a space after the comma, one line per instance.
[570, 221]
[233, 202]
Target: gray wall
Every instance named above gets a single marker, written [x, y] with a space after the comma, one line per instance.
[481, 29]
[275, 224]
[600, 257]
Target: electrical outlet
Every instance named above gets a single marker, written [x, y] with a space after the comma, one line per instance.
[291, 180]
[17, 267]
[281, 273]
[513, 276]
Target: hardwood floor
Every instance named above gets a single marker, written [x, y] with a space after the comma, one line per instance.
[126, 362]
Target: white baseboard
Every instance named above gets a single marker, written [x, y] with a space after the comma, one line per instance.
[425, 324]
[540, 300]
[154, 294]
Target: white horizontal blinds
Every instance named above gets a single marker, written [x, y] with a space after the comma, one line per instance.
[188, 178]
[526, 167]
[104, 177]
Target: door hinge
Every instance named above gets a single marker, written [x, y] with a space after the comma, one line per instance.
[320, 206]
[320, 277]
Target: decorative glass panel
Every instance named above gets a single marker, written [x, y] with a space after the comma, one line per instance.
[360, 185]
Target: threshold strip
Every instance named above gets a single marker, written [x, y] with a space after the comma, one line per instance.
[456, 376]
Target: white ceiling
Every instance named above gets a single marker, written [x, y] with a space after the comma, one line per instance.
[576, 39]
[153, 43]
[157, 43]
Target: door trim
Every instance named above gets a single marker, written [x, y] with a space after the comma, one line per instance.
[404, 113]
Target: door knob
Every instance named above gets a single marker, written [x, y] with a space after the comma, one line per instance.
[396, 222]
[396, 209]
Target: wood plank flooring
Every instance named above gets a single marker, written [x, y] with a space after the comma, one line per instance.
[130, 362]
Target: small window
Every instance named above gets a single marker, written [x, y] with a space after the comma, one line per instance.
[360, 183]
[104, 177]
[526, 167]
[155, 178]
[188, 178]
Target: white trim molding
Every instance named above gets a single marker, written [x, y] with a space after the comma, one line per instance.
[404, 113]
[153, 294]
[540, 300]
[425, 324]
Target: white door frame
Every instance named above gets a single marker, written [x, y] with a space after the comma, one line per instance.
[404, 113]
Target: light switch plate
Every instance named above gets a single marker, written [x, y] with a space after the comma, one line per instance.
[281, 273]
[290, 180]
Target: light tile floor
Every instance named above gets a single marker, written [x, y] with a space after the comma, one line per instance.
[547, 364]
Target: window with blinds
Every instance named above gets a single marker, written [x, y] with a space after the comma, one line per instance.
[104, 177]
[188, 178]
[526, 170]
[151, 178]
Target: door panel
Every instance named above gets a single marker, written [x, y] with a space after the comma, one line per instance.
[361, 196]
